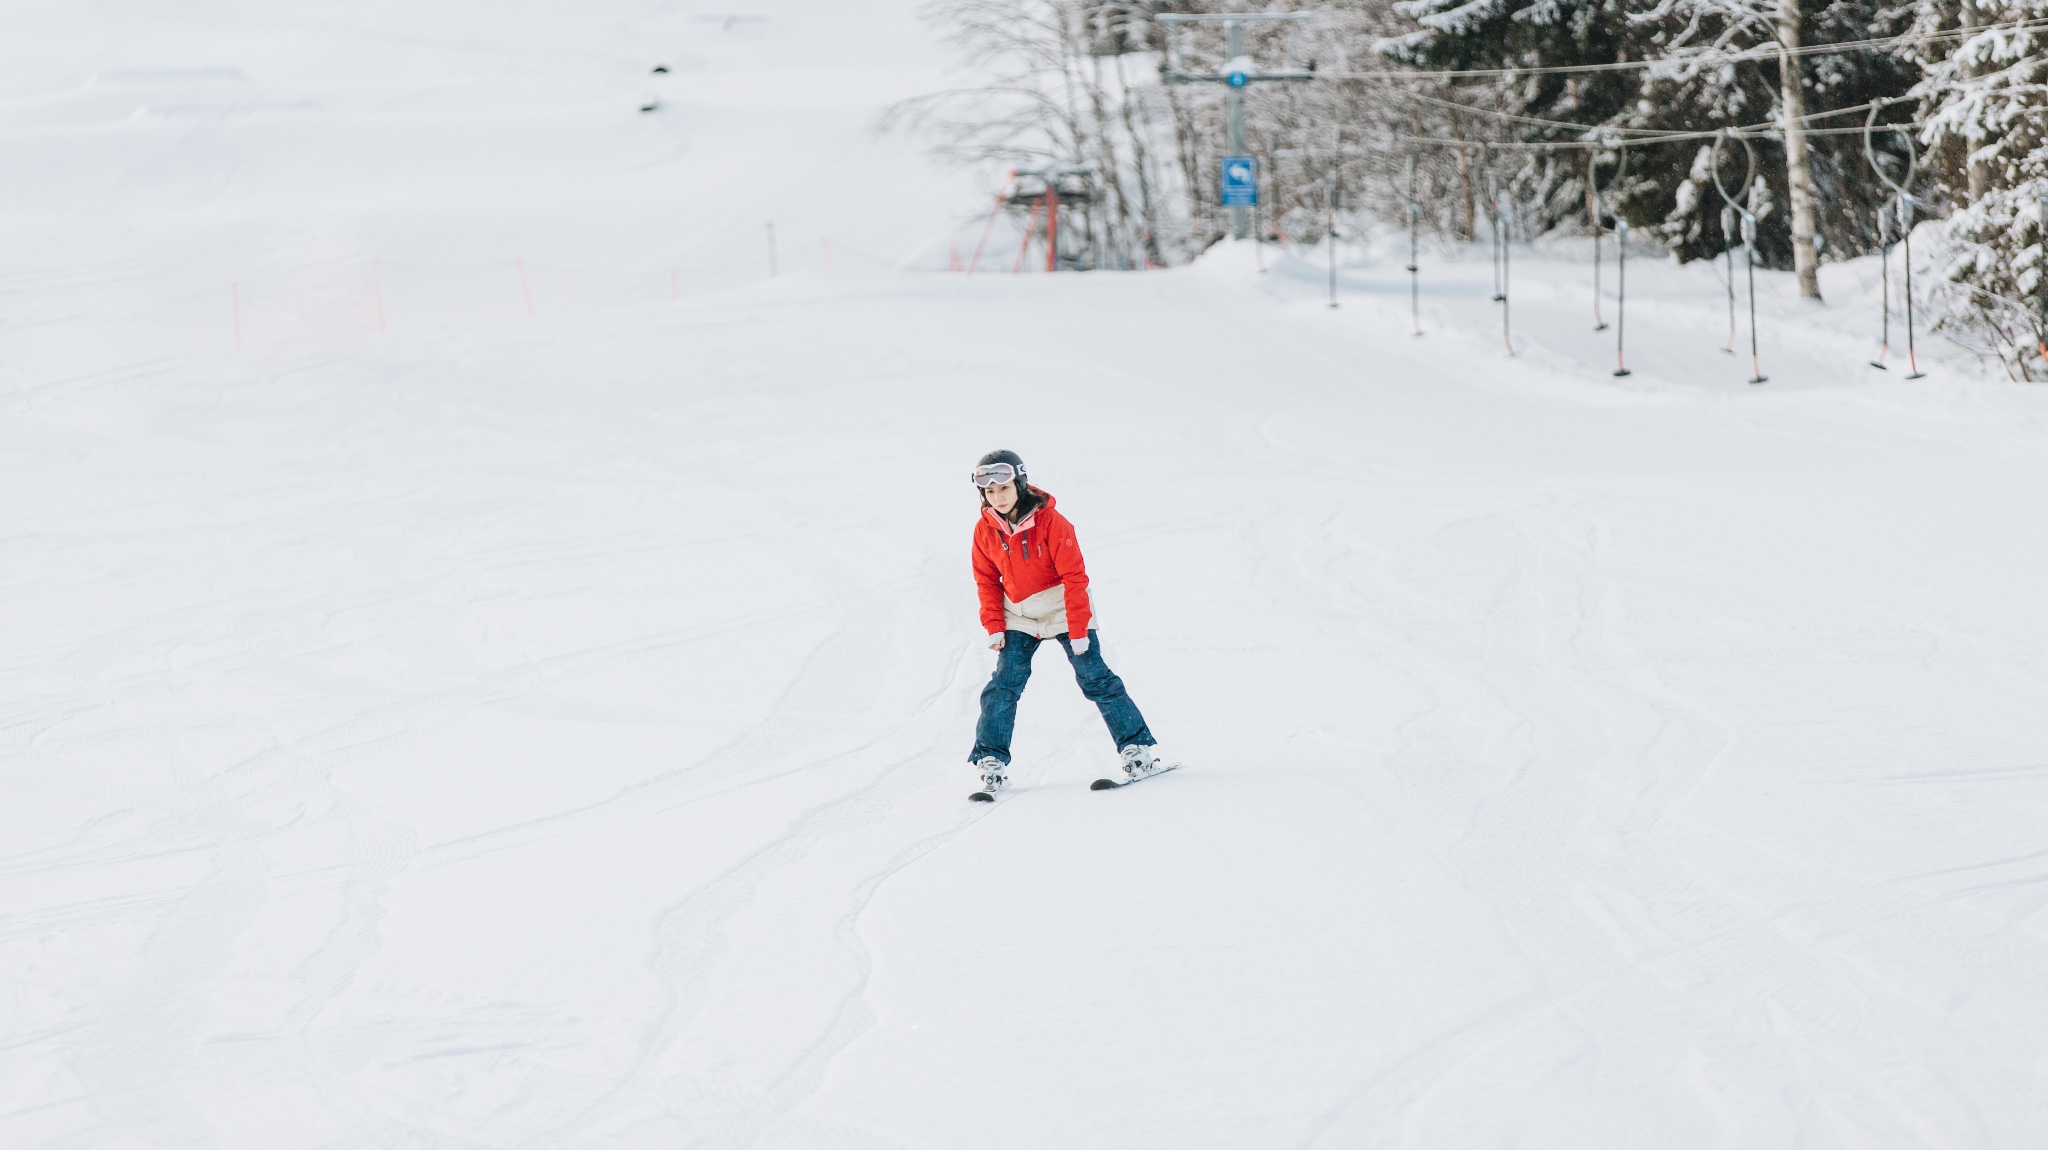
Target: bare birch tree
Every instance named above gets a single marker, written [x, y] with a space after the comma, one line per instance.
[1711, 33]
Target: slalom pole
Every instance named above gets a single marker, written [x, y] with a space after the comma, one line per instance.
[1884, 275]
[1506, 236]
[1728, 250]
[1749, 259]
[1906, 227]
[1621, 292]
[1415, 240]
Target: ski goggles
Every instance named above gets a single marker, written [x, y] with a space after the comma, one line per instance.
[992, 474]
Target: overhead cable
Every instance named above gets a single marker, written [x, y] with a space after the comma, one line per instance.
[1605, 136]
[1704, 60]
[1753, 132]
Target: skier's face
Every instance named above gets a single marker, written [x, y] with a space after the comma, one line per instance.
[1002, 497]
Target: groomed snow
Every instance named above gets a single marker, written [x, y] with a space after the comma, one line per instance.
[548, 730]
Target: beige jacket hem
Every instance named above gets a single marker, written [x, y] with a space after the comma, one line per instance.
[1044, 615]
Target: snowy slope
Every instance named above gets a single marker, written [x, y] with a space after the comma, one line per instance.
[546, 730]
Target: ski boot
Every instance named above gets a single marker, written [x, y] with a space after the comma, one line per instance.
[1141, 761]
[994, 777]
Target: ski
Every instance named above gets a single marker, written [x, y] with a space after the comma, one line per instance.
[1112, 784]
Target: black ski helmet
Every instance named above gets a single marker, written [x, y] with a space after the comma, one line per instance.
[1028, 500]
[1011, 458]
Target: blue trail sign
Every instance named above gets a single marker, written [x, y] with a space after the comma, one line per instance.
[1240, 181]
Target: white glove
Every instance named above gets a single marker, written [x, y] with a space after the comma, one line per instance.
[1081, 645]
[995, 641]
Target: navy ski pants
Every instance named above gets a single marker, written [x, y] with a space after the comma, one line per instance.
[1013, 670]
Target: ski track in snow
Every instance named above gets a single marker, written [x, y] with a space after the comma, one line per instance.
[549, 730]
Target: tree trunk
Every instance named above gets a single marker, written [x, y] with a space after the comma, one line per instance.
[1979, 173]
[1798, 172]
[1148, 222]
[1592, 191]
[1116, 223]
[1189, 146]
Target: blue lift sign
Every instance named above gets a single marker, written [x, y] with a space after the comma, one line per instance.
[1240, 181]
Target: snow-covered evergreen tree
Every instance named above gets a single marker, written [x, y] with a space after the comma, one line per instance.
[1983, 105]
[1714, 65]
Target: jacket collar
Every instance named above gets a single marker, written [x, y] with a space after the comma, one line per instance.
[1024, 524]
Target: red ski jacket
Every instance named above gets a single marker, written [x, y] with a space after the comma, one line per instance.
[1015, 563]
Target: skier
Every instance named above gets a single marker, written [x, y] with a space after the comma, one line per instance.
[1033, 587]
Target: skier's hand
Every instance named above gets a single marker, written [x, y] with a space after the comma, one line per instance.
[1081, 645]
[995, 641]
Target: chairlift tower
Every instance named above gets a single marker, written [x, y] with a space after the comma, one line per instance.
[1239, 71]
[1043, 192]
